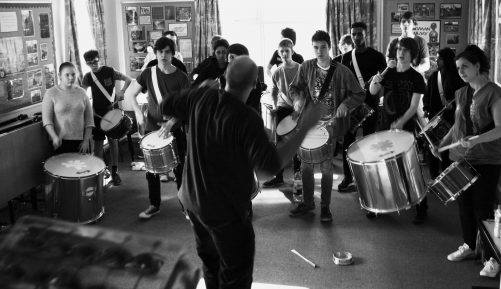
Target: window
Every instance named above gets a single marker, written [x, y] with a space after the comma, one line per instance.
[84, 32]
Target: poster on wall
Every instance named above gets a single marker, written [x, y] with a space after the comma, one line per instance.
[157, 13]
[452, 39]
[136, 62]
[8, 21]
[34, 79]
[44, 52]
[395, 16]
[31, 46]
[424, 10]
[430, 31]
[44, 25]
[49, 75]
[17, 88]
[131, 15]
[27, 21]
[5, 89]
[145, 10]
[137, 33]
[170, 13]
[181, 29]
[450, 10]
[158, 24]
[183, 14]
[139, 47]
[154, 35]
[185, 47]
[145, 19]
[11, 55]
[36, 96]
[451, 26]
[402, 7]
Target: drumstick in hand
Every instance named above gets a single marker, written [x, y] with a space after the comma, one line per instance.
[98, 116]
[453, 145]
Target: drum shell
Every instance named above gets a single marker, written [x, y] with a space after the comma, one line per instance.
[454, 180]
[120, 129]
[78, 200]
[435, 133]
[161, 160]
[316, 155]
[391, 184]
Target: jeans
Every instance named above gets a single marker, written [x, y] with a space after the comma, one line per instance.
[227, 252]
[309, 183]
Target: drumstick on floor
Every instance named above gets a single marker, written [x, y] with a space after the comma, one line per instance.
[453, 145]
[304, 258]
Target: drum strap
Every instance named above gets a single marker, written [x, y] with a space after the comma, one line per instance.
[154, 80]
[441, 89]
[357, 69]
[327, 81]
[101, 88]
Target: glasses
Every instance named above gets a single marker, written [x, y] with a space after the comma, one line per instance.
[92, 62]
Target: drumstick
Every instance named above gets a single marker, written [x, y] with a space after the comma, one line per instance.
[98, 116]
[453, 145]
[304, 258]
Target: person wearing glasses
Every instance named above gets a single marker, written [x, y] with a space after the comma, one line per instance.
[105, 96]
[161, 82]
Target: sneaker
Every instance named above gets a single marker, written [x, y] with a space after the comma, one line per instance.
[148, 213]
[325, 215]
[301, 209]
[463, 252]
[115, 179]
[273, 183]
[107, 173]
[491, 268]
[346, 185]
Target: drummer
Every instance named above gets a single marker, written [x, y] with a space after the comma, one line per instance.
[67, 113]
[105, 96]
[403, 89]
[342, 94]
[478, 113]
[169, 80]
[440, 91]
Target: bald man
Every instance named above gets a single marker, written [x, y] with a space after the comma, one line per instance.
[226, 144]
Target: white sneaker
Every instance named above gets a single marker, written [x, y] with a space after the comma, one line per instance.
[491, 268]
[463, 252]
[149, 212]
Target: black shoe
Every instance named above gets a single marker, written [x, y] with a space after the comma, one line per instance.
[325, 215]
[371, 215]
[273, 183]
[301, 209]
[115, 179]
[346, 185]
[420, 218]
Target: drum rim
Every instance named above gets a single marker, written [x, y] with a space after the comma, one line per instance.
[65, 177]
[141, 141]
[392, 210]
[381, 160]
[116, 125]
[292, 129]
[73, 178]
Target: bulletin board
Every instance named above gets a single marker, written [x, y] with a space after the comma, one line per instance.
[27, 55]
[146, 21]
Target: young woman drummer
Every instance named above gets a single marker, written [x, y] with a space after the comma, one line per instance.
[477, 128]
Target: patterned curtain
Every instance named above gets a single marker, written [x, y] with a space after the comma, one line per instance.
[95, 9]
[207, 25]
[342, 13]
[482, 25]
[71, 54]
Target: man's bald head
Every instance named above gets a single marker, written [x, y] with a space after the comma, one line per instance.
[241, 74]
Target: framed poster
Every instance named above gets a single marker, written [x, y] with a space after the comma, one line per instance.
[450, 10]
[154, 35]
[44, 25]
[452, 38]
[28, 24]
[395, 28]
[395, 16]
[402, 7]
[451, 26]
[44, 52]
[183, 14]
[145, 10]
[181, 29]
[131, 15]
[185, 47]
[430, 31]
[170, 13]
[158, 24]
[157, 13]
[145, 19]
[424, 10]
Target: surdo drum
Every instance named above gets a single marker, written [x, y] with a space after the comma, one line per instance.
[74, 187]
[386, 170]
[116, 124]
[160, 154]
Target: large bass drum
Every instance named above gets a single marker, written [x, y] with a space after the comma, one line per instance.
[386, 170]
[74, 187]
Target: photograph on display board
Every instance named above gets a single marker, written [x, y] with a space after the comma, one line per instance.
[137, 33]
[145, 19]
[131, 16]
[17, 88]
[402, 7]
[183, 14]
[181, 29]
[430, 31]
[8, 21]
[34, 79]
[145, 10]
[452, 38]
[185, 47]
[11, 54]
[136, 62]
[31, 46]
[32, 59]
[154, 35]
[44, 25]
[139, 47]
[424, 10]
[5, 87]
[170, 13]
[451, 26]
[36, 96]
[450, 10]
[44, 52]
[27, 21]
[395, 16]
[157, 13]
[158, 24]
[49, 75]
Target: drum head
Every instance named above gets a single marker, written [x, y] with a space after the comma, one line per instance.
[315, 138]
[74, 165]
[153, 141]
[286, 125]
[111, 119]
[380, 146]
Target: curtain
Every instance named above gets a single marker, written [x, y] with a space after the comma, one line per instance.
[482, 25]
[95, 9]
[71, 53]
[207, 25]
[342, 13]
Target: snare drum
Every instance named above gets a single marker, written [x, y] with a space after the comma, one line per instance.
[386, 170]
[359, 115]
[74, 187]
[116, 124]
[285, 127]
[160, 154]
[435, 130]
[316, 147]
[454, 180]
